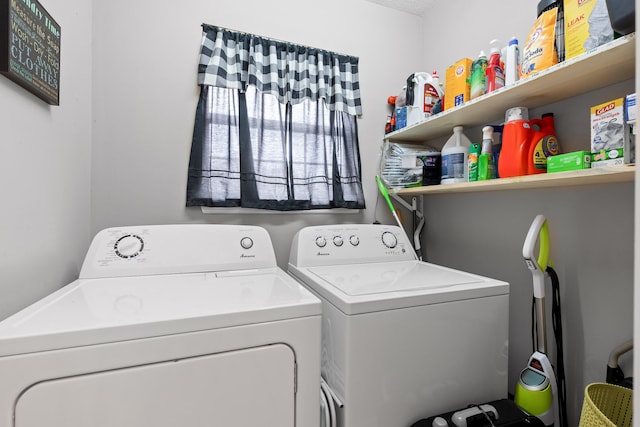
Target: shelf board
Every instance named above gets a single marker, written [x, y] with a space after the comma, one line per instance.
[609, 64]
[604, 175]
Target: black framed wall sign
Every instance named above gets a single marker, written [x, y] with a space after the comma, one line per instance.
[30, 48]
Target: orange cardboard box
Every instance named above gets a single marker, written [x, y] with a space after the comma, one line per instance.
[457, 89]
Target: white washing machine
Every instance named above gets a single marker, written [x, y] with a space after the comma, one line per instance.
[402, 339]
[174, 325]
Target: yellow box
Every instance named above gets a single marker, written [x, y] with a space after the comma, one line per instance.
[581, 19]
[457, 88]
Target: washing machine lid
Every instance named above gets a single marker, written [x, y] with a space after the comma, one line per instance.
[368, 287]
[96, 311]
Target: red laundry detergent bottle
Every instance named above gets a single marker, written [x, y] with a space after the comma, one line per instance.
[516, 139]
[544, 143]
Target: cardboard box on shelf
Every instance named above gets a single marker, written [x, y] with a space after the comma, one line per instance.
[610, 137]
[457, 89]
[608, 162]
[630, 109]
[569, 161]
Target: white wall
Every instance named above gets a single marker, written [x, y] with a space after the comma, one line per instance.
[44, 171]
[457, 29]
[145, 95]
[592, 238]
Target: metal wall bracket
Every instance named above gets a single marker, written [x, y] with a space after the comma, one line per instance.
[418, 218]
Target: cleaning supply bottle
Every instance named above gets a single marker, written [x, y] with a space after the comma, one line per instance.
[472, 161]
[438, 95]
[423, 95]
[495, 71]
[455, 153]
[387, 126]
[478, 77]
[512, 63]
[400, 110]
[516, 137]
[544, 143]
[497, 146]
[486, 165]
[433, 94]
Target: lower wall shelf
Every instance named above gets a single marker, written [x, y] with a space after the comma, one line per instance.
[604, 175]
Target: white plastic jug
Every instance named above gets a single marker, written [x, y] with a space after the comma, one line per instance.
[454, 158]
[426, 94]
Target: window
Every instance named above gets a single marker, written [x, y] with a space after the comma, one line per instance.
[275, 127]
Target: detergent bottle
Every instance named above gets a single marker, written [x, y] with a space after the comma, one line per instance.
[495, 69]
[544, 143]
[516, 138]
[478, 77]
[454, 158]
[438, 97]
[424, 94]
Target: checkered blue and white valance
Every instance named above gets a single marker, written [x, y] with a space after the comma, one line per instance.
[291, 72]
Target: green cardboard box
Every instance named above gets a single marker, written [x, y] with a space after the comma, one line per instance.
[568, 162]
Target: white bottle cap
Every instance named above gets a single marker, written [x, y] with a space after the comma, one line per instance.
[517, 113]
[495, 45]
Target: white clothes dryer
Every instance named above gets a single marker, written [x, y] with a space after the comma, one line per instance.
[171, 325]
[402, 339]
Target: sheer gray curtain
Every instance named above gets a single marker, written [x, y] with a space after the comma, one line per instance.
[275, 126]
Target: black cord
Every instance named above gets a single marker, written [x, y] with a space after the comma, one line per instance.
[556, 320]
[534, 337]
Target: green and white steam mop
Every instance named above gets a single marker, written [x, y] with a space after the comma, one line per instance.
[539, 391]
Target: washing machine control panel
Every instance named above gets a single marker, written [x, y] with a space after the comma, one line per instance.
[323, 245]
[169, 249]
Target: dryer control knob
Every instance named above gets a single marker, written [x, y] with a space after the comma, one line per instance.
[389, 239]
[338, 240]
[321, 242]
[354, 240]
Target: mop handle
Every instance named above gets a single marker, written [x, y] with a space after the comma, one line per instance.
[385, 193]
[539, 229]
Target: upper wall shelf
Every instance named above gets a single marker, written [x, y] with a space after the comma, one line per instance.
[604, 175]
[609, 64]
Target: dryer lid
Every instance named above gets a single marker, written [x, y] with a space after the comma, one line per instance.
[96, 311]
[361, 288]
